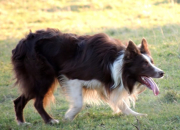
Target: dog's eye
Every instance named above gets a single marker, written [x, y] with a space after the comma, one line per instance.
[145, 64]
[152, 61]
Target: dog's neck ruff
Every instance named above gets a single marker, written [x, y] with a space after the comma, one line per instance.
[116, 71]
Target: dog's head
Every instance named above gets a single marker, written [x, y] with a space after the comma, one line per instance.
[139, 67]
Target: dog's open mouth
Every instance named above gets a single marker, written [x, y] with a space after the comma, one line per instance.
[149, 82]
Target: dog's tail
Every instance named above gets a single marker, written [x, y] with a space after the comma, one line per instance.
[33, 73]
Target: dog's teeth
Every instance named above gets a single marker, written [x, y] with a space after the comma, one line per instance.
[143, 79]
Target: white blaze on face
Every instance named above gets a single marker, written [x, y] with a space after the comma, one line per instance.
[148, 81]
[156, 69]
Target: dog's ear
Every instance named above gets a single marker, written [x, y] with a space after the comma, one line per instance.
[131, 51]
[144, 47]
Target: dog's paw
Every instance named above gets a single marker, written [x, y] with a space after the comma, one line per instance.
[23, 123]
[54, 121]
[144, 115]
[68, 118]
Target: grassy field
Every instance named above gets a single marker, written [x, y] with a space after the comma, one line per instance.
[156, 20]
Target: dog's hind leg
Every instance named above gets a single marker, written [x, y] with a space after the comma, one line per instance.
[40, 108]
[74, 93]
[19, 105]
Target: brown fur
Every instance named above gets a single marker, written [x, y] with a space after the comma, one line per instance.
[49, 96]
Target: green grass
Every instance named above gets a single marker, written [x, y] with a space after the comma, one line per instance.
[156, 20]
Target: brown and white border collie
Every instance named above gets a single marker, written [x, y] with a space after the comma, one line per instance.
[89, 68]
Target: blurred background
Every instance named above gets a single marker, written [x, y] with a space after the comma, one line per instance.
[115, 17]
[156, 20]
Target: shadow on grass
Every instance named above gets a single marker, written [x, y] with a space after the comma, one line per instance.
[75, 8]
[167, 2]
[171, 96]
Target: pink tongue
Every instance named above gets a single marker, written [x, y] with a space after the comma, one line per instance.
[150, 84]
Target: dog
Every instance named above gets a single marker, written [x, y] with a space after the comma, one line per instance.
[90, 69]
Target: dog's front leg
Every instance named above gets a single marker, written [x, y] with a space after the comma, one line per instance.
[128, 111]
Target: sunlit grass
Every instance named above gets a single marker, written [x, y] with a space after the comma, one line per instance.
[156, 20]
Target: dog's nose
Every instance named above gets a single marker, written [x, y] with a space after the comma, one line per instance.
[161, 73]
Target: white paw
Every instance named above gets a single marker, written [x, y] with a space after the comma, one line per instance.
[23, 123]
[68, 118]
[53, 121]
[140, 114]
[144, 115]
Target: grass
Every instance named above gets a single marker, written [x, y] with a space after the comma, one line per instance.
[157, 20]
